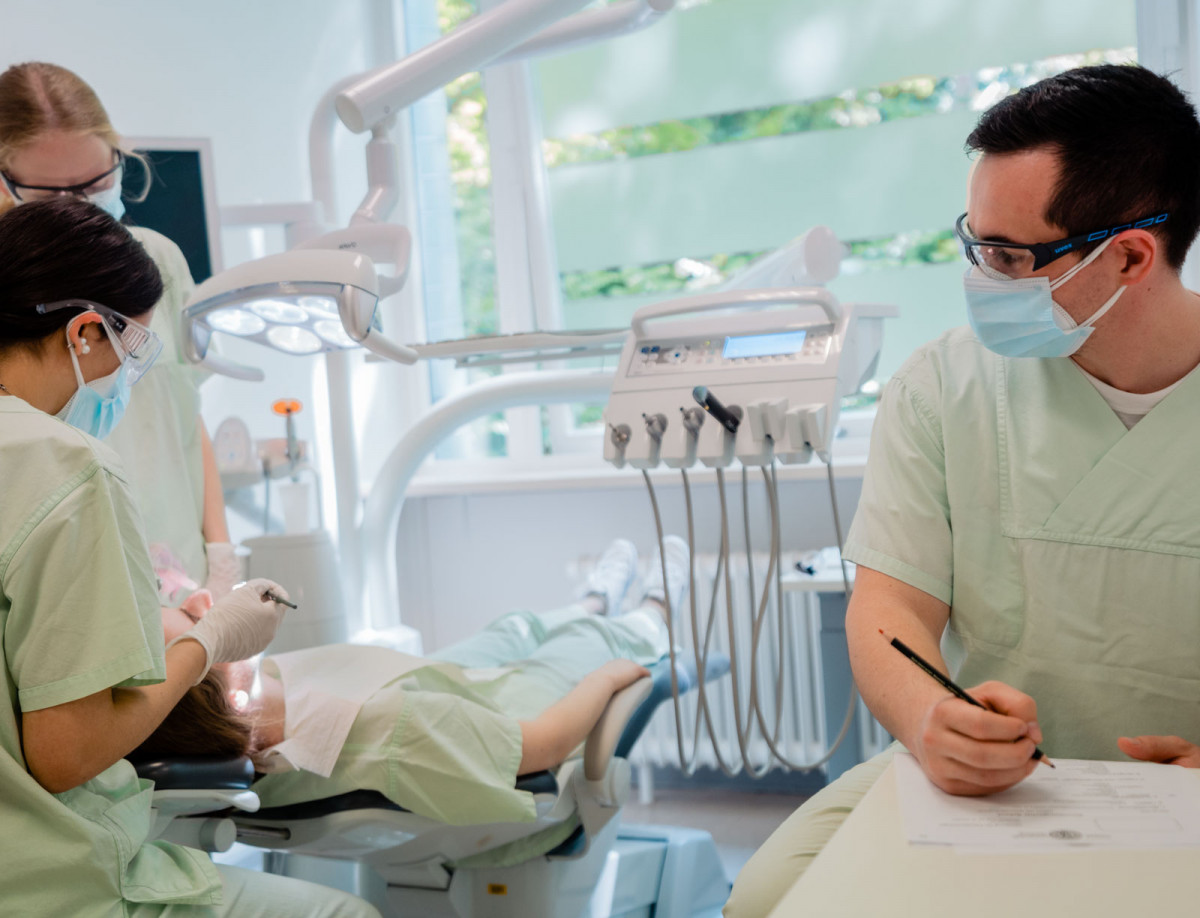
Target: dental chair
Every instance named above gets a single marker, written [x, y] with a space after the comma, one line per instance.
[574, 859]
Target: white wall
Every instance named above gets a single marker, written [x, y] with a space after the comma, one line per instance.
[246, 75]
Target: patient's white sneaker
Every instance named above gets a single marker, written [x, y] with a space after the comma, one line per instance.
[675, 550]
[612, 575]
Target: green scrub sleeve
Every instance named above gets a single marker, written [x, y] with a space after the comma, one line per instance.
[84, 612]
[902, 526]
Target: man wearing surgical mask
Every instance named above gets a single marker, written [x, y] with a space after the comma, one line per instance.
[1030, 521]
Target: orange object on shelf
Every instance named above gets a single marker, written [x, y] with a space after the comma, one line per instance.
[286, 406]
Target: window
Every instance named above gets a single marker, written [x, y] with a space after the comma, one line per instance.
[676, 155]
[453, 178]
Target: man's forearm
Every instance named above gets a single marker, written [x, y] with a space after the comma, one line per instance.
[895, 690]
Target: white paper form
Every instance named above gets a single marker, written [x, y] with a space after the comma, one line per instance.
[1077, 804]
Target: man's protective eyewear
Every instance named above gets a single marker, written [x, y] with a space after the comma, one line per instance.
[1015, 259]
[138, 346]
[102, 182]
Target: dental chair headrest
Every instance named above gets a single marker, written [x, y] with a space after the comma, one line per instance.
[198, 772]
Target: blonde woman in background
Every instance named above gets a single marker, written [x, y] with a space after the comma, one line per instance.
[56, 140]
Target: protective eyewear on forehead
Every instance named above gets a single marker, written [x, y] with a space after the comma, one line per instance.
[102, 182]
[1016, 259]
[138, 346]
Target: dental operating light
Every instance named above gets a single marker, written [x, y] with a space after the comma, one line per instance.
[320, 297]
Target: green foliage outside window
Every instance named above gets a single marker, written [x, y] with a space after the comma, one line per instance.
[913, 97]
[855, 108]
[904, 99]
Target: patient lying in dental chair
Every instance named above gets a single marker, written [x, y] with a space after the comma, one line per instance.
[444, 736]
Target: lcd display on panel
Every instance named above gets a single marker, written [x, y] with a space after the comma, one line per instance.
[764, 345]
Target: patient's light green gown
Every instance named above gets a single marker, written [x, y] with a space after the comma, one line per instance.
[443, 739]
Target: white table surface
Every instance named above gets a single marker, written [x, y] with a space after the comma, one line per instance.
[869, 869]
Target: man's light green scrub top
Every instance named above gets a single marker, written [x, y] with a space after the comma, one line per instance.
[1067, 547]
[158, 439]
[78, 613]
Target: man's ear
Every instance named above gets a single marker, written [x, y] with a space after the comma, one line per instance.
[1140, 251]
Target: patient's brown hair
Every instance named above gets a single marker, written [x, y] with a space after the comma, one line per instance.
[204, 722]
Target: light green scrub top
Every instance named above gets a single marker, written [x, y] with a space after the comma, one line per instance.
[158, 439]
[1067, 547]
[431, 741]
[78, 613]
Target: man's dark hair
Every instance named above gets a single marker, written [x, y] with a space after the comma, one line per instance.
[1128, 145]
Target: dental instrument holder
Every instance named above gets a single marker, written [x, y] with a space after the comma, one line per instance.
[294, 499]
[771, 380]
[305, 562]
[289, 408]
[301, 558]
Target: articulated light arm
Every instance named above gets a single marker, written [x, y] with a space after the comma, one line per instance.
[590, 26]
[479, 41]
[383, 243]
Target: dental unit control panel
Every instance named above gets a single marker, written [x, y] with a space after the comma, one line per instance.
[738, 379]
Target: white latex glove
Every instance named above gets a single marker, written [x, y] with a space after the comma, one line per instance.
[239, 625]
[224, 568]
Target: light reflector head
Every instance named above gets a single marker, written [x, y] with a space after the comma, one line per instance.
[300, 302]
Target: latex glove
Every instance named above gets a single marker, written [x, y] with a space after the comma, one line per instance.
[224, 568]
[239, 625]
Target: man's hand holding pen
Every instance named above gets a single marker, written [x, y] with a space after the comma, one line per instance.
[973, 751]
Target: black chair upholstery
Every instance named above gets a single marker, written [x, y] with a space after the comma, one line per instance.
[198, 772]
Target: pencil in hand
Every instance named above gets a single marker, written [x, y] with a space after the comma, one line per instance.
[944, 681]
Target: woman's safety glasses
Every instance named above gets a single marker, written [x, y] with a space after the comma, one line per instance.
[93, 186]
[1015, 259]
[137, 345]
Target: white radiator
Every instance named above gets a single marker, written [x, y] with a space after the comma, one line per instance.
[801, 735]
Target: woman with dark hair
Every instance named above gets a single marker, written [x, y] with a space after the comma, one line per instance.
[86, 675]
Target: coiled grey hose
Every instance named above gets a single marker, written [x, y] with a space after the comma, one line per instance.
[753, 715]
[686, 763]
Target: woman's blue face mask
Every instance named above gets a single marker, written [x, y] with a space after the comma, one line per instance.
[1017, 317]
[97, 407]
